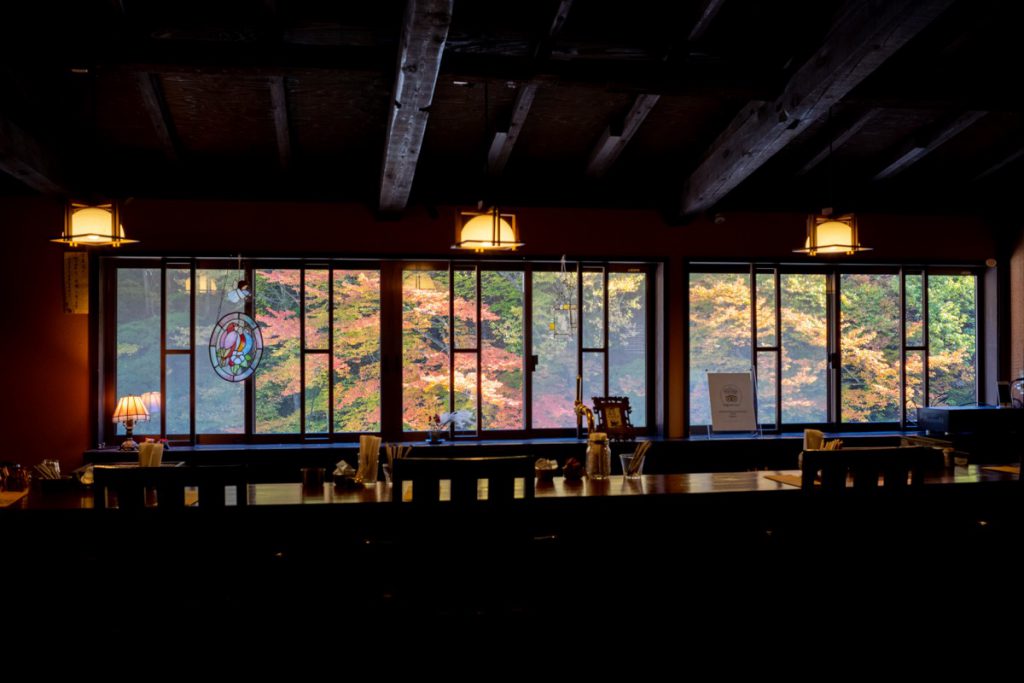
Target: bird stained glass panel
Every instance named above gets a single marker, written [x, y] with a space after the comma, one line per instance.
[236, 346]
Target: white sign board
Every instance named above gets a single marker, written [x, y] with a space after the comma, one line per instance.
[733, 408]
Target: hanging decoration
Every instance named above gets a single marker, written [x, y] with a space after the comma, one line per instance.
[241, 293]
[564, 320]
[236, 346]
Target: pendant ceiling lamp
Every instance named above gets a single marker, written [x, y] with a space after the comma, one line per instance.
[486, 229]
[828, 233]
[96, 225]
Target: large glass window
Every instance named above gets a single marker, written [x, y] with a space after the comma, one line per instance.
[804, 376]
[502, 344]
[926, 357]
[220, 405]
[138, 338]
[870, 340]
[425, 347]
[720, 339]
[952, 340]
[278, 381]
[356, 320]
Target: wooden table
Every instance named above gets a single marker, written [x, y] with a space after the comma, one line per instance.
[713, 551]
[286, 494]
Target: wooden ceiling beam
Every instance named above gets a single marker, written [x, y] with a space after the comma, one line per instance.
[1003, 161]
[615, 138]
[920, 147]
[543, 47]
[155, 105]
[23, 157]
[505, 140]
[424, 32]
[839, 138]
[707, 15]
[864, 36]
[282, 129]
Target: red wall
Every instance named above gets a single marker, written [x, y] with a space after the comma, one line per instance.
[47, 394]
[45, 388]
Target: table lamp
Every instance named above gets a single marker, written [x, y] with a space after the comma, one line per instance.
[129, 410]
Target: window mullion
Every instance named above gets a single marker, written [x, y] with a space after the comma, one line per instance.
[330, 352]
[479, 356]
[194, 291]
[925, 341]
[302, 352]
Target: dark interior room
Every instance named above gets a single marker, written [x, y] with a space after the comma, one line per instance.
[469, 319]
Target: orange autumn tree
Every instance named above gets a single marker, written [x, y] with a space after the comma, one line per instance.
[356, 352]
[426, 353]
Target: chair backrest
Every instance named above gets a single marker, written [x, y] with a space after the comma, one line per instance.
[464, 474]
[134, 486]
[865, 465]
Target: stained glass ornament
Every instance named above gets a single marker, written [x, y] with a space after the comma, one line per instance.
[240, 293]
[236, 347]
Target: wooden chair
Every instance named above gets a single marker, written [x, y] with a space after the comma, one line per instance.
[865, 466]
[426, 475]
[133, 486]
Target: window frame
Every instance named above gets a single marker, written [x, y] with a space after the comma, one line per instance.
[833, 322]
[391, 271]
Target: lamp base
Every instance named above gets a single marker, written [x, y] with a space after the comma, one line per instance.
[129, 445]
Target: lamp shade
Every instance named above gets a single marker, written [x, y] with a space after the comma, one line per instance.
[827, 234]
[130, 409]
[96, 226]
[151, 399]
[486, 231]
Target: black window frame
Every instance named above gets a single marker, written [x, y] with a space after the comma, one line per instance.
[391, 270]
[833, 273]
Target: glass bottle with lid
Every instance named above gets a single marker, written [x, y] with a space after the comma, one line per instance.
[599, 456]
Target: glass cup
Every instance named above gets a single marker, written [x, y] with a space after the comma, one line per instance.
[638, 467]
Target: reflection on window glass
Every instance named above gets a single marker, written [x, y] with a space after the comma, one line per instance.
[914, 392]
[356, 350]
[767, 374]
[425, 347]
[593, 376]
[179, 308]
[719, 333]
[952, 340]
[465, 309]
[593, 310]
[138, 337]
[316, 393]
[627, 341]
[317, 318]
[804, 348]
[466, 372]
[766, 332]
[555, 345]
[176, 404]
[914, 309]
[219, 404]
[870, 342]
[501, 386]
[278, 378]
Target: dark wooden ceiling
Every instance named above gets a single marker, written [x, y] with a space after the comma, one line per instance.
[689, 106]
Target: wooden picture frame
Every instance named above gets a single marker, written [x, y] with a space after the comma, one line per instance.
[613, 416]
